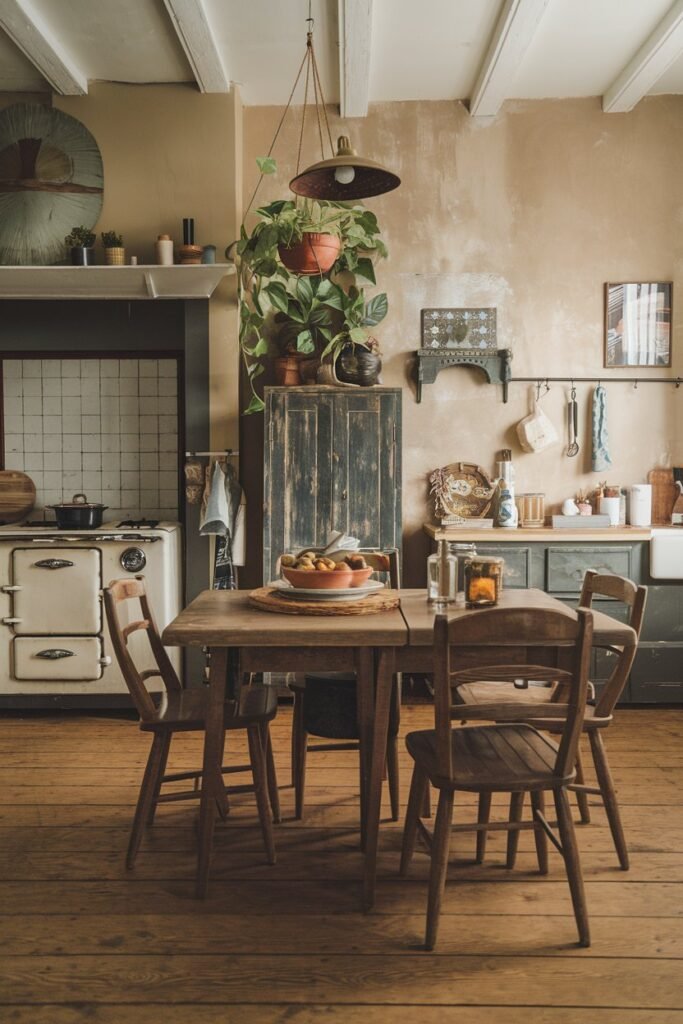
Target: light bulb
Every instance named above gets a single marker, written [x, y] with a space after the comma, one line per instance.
[344, 175]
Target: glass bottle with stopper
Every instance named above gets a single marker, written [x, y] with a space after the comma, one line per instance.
[442, 575]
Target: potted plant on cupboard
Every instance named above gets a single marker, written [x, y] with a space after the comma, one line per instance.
[80, 242]
[302, 312]
[353, 354]
[114, 253]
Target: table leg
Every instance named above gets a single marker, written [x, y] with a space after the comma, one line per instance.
[212, 782]
[383, 683]
[365, 703]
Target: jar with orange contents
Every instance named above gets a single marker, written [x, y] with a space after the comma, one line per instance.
[483, 581]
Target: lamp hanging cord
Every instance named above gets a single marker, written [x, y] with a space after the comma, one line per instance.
[277, 131]
[316, 78]
[309, 45]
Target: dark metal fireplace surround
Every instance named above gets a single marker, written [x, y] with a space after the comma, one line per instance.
[114, 328]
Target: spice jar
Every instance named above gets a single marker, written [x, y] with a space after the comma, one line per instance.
[483, 581]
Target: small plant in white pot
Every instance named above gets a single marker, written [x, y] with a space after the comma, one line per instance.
[114, 253]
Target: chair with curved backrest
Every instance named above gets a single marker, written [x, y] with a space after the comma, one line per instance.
[599, 711]
[184, 710]
[325, 706]
[510, 758]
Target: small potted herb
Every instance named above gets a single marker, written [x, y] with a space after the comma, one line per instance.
[114, 253]
[80, 242]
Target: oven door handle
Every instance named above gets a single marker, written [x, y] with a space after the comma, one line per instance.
[53, 563]
[54, 653]
[10, 590]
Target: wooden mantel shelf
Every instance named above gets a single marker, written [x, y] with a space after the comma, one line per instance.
[140, 282]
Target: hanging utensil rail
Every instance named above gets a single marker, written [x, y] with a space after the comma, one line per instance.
[540, 381]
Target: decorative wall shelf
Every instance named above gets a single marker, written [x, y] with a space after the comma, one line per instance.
[494, 363]
[140, 282]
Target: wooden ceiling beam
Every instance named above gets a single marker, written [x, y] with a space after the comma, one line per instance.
[515, 28]
[196, 37]
[355, 46]
[656, 54]
[27, 30]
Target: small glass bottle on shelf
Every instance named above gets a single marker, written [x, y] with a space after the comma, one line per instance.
[442, 575]
[483, 581]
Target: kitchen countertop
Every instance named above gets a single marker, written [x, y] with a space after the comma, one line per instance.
[502, 535]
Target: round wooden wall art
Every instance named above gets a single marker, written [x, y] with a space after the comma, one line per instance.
[51, 181]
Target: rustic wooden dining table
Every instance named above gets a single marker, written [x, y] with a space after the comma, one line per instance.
[375, 647]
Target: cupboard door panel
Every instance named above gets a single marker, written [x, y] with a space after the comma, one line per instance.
[332, 462]
[567, 566]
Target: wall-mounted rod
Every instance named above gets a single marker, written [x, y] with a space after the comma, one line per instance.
[676, 381]
[231, 453]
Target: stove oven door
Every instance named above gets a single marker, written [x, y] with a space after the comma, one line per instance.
[56, 591]
[57, 658]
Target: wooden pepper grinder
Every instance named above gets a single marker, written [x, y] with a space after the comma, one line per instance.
[188, 252]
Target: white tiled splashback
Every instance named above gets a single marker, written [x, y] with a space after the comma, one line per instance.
[105, 427]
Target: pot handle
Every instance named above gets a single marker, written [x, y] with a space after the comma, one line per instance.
[79, 499]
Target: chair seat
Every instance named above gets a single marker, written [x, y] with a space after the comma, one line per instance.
[490, 758]
[186, 710]
[500, 693]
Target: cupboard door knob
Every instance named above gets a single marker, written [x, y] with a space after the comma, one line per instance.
[344, 495]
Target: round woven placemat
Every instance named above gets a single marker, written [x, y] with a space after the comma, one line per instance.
[268, 600]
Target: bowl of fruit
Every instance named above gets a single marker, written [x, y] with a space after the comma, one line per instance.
[313, 571]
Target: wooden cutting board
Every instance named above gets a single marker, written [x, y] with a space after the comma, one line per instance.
[268, 600]
[664, 494]
[17, 495]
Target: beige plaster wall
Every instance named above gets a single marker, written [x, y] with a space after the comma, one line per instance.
[170, 152]
[530, 212]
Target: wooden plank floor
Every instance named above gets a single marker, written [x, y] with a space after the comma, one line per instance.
[83, 940]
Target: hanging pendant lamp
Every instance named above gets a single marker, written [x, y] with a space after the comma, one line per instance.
[340, 177]
[344, 176]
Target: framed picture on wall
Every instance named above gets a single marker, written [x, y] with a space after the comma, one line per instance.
[638, 324]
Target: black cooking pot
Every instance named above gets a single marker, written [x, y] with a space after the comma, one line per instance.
[78, 514]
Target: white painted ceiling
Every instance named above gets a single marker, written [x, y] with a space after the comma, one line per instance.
[419, 49]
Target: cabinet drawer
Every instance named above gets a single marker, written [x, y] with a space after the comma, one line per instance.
[663, 614]
[657, 674]
[517, 568]
[57, 659]
[566, 566]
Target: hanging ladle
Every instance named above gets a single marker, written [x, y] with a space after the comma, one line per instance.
[573, 416]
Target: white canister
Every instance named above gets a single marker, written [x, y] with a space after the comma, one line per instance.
[164, 250]
[641, 505]
[611, 508]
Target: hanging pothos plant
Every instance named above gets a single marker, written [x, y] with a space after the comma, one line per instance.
[310, 315]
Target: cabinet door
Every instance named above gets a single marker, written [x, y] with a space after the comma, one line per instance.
[517, 564]
[366, 466]
[566, 566]
[298, 481]
[332, 462]
[657, 675]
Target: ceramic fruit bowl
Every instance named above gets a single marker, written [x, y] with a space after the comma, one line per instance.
[313, 579]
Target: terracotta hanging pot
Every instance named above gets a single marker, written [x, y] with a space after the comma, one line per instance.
[314, 254]
[287, 371]
[356, 364]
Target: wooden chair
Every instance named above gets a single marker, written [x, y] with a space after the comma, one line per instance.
[343, 684]
[511, 758]
[184, 710]
[599, 711]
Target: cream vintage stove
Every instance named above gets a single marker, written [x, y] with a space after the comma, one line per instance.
[55, 648]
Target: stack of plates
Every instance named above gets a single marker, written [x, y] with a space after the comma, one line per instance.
[285, 589]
